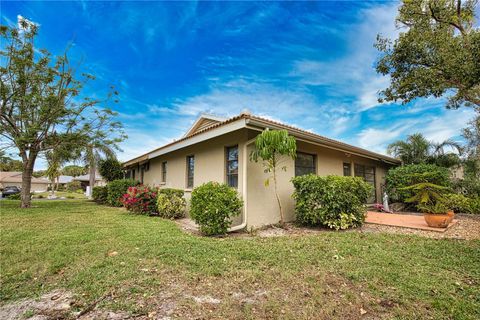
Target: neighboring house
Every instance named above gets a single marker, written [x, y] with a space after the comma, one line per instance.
[62, 180]
[85, 180]
[215, 149]
[15, 179]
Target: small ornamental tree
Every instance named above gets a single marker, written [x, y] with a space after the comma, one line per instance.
[110, 169]
[272, 147]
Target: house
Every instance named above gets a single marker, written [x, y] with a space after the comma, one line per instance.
[216, 149]
[14, 178]
[61, 180]
[85, 180]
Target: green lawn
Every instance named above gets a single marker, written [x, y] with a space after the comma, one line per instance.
[65, 244]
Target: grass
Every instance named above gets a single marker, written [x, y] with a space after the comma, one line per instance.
[69, 244]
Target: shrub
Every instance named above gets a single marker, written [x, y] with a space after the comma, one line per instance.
[140, 199]
[399, 178]
[213, 205]
[469, 187]
[461, 204]
[15, 196]
[100, 194]
[73, 186]
[333, 201]
[116, 189]
[171, 204]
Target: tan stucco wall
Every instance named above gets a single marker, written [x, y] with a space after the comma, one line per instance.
[262, 204]
[210, 164]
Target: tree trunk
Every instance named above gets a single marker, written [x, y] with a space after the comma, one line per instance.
[92, 170]
[28, 164]
[276, 195]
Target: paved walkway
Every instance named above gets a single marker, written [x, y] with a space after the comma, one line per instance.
[412, 221]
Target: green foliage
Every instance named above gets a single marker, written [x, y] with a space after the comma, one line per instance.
[270, 147]
[171, 204]
[15, 196]
[100, 194]
[469, 187]
[172, 192]
[428, 197]
[116, 189]
[43, 106]
[333, 201]
[74, 170]
[9, 164]
[73, 186]
[213, 205]
[437, 54]
[461, 204]
[110, 169]
[140, 199]
[404, 176]
[416, 149]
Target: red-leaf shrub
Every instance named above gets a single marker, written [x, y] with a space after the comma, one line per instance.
[140, 199]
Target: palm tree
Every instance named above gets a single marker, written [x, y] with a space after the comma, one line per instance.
[417, 149]
[94, 152]
[53, 171]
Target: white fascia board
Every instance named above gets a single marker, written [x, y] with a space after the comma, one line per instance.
[209, 134]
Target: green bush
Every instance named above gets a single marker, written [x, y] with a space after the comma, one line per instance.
[15, 196]
[73, 186]
[212, 207]
[461, 204]
[100, 194]
[116, 189]
[469, 187]
[333, 201]
[171, 204]
[110, 169]
[405, 176]
[171, 191]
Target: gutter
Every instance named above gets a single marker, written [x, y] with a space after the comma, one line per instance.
[244, 188]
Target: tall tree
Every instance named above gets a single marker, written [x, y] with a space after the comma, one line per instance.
[102, 141]
[9, 164]
[41, 107]
[110, 169]
[417, 149]
[472, 148]
[73, 170]
[273, 147]
[438, 53]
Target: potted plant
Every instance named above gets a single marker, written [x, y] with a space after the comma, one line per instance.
[430, 201]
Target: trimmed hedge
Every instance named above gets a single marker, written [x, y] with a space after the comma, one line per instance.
[171, 204]
[405, 176]
[332, 201]
[116, 189]
[100, 194]
[212, 207]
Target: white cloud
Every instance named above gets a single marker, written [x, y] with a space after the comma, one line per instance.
[353, 74]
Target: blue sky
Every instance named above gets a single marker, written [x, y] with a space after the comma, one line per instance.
[308, 64]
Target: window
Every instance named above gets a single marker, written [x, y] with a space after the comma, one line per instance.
[304, 164]
[232, 166]
[164, 171]
[368, 174]
[190, 168]
[347, 169]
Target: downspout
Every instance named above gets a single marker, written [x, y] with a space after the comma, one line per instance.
[244, 187]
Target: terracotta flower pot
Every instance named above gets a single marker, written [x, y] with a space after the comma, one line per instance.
[437, 220]
[451, 215]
